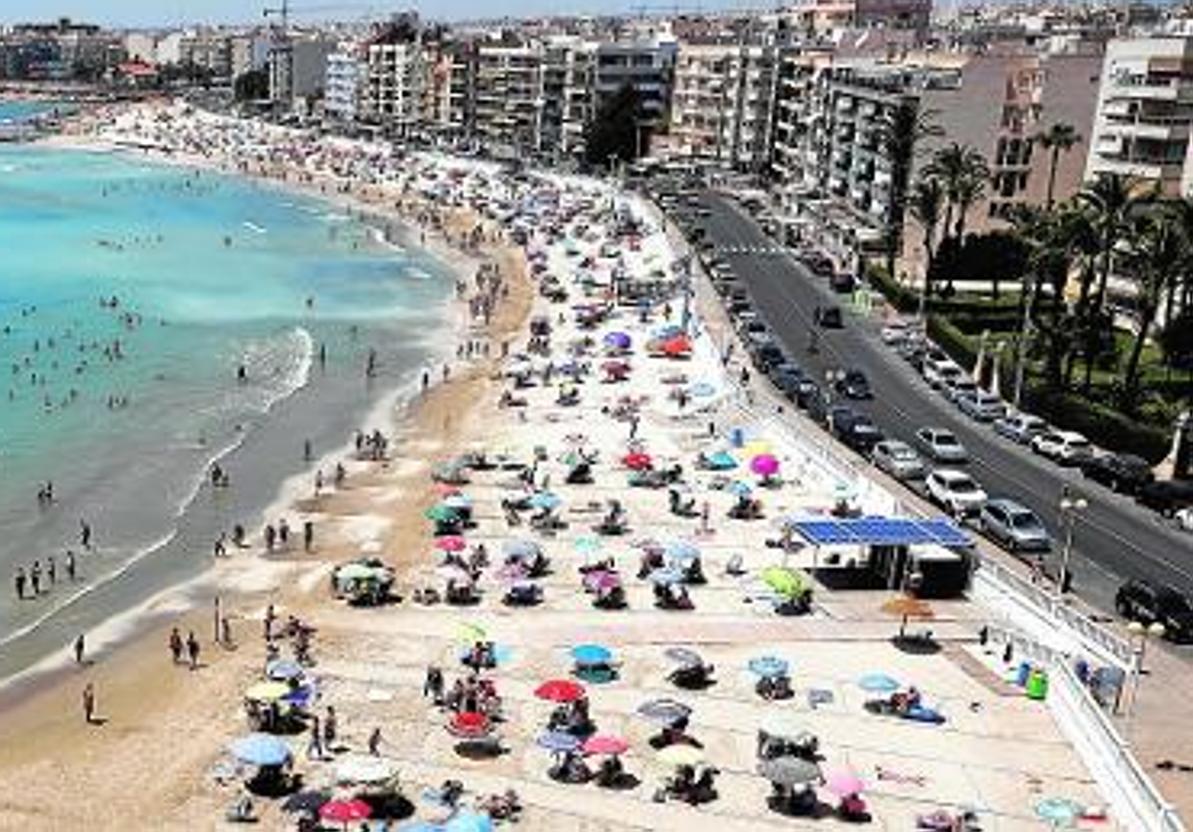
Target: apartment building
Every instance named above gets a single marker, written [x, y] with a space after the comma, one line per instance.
[645, 61]
[721, 102]
[509, 96]
[1144, 109]
[297, 68]
[568, 100]
[207, 49]
[822, 16]
[344, 85]
[394, 83]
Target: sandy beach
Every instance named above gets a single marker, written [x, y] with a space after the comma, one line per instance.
[637, 388]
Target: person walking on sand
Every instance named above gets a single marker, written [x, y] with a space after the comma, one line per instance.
[80, 645]
[308, 535]
[89, 703]
[192, 649]
[318, 482]
[176, 645]
[283, 533]
[220, 548]
[375, 743]
[35, 577]
[18, 581]
[84, 534]
[329, 728]
[51, 570]
[70, 565]
[315, 743]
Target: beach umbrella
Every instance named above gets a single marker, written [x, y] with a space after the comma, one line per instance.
[521, 549]
[844, 783]
[637, 461]
[442, 514]
[721, 461]
[545, 500]
[684, 656]
[470, 633]
[260, 750]
[789, 771]
[664, 711]
[469, 724]
[560, 690]
[457, 501]
[666, 577]
[701, 390]
[453, 574]
[364, 768]
[905, 607]
[345, 811]
[356, 572]
[512, 572]
[785, 581]
[877, 683]
[281, 670]
[680, 754]
[682, 550]
[599, 744]
[587, 545]
[305, 801]
[446, 489]
[768, 666]
[451, 543]
[618, 340]
[765, 465]
[667, 331]
[302, 696]
[468, 821]
[1058, 811]
[739, 488]
[267, 691]
[558, 742]
[783, 726]
[679, 345]
[601, 580]
[591, 654]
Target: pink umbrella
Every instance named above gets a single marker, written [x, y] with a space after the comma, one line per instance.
[844, 783]
[605, 745]
[451, 543]
[765, 465]
[602, 580]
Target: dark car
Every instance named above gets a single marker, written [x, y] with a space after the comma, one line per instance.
[787, 377]
[1121, 472]
[807, 393]
[1166, 496]
[855, 385]
[1147, 603]
[857, 430]
[817, 264]
[829, 317]
[842, 282]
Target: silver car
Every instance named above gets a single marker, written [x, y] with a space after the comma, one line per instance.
[983, 406]
[1014, 526]
[898, 459]
[941, 445]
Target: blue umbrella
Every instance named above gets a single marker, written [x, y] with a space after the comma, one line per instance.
[457, 501]
[721, 461]
[260, 750]
[877, 683]
[768, 666]
[591, 654]
[466, 821]
[558, 741]
[682, 550]
[618, 340]
[587, 545]
[418, 826]
[282, 670]
[664, 577]
[545, 500]
[520, 549]
[702, 390]
[668, 331]
[1058, 811]
[303, 695]
[740, 489]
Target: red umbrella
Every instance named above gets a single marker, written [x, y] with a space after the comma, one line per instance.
[444, 489]
[637, 461]
[451, 543]
[469, 724]
[679, 345]
[605, 745]
[560, 690]
[345, 811]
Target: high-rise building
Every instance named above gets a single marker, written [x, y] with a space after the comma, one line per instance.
[645, 61]
[344, 86]
[509, 96]
[394, 80]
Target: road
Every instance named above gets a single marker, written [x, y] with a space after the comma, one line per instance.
[1113, 538]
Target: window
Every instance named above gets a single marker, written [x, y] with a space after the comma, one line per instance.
[1000, 155]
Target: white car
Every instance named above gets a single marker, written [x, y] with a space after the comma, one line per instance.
[897, 459]
[941, 445]
[982, 406]
[895, 333]
[1020, 427]
[1064, 446]
[956, 492]
[958, 387]
[1184, 519]
[938, 372]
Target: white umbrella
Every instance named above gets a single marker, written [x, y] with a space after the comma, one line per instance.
[363, 768]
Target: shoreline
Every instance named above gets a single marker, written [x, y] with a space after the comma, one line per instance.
[126, 628]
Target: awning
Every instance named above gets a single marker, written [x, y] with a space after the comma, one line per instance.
[881, 531]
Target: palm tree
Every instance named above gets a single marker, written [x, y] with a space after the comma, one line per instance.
[900, 133]
[963, 173]
[970, 189]
[1058, 138]
[927, 197]
[1156, 252]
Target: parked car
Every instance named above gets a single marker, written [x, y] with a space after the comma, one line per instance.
[982, 406]
[1014, 526]
[1120, 472]
[1166, 496]
[1184, 519]
[898, 459]
[1148, 603]
[829, 317]
[941, 445]
[787, 377]
[957, 387]
[895, 332]
[841, 282]
[1020, 427]
[955, 491]
[854, 385]
[1064, 446]
[938, 371]
[856, 430]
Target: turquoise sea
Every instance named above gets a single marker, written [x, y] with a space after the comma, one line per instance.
[130, 295]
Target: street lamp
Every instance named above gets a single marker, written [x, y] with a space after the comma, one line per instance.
[1141, 632]
[1069, 506]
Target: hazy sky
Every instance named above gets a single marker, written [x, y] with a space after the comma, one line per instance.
[173, 12]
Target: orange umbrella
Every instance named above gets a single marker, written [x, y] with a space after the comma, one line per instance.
[907, 606]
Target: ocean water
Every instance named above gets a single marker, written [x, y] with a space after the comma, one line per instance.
[15, 111]
[131, 294]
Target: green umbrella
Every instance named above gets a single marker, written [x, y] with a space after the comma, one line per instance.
[442, 514]
[784, 581]
[356, 572]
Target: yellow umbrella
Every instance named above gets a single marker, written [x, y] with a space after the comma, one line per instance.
[681, 754]
[753, 449]
[267, 691]
[472, 633]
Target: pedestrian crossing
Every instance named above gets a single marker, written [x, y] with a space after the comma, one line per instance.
[765, 251]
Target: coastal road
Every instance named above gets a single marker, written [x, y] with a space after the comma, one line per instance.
[1113, 538]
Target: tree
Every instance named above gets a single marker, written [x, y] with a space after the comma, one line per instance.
[1176, 340]
[963, 174]
[1156, 251]
[252, 85]
[614, 130]
[901, 131]
[927, 197]
[1058, 138]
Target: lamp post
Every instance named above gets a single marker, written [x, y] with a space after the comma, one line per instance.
[1024, 337]
[1069, 506]
[1141, 632]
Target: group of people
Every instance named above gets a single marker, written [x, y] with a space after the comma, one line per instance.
[36, 580]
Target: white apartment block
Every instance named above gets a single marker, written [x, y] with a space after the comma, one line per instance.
[344, 84]
[721, 102]
[509, 95]
[1144, 109]
[569, 103]
[394, 84]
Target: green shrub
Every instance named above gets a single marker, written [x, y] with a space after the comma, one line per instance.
[960, 347]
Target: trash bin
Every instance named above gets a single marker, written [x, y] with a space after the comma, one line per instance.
[1037, 685]
[1022, 674]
